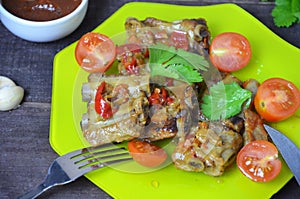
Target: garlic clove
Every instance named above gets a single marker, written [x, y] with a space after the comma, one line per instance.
[5, 81]
[10, 94]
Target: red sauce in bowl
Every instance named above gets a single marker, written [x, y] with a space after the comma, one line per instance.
[40, 10]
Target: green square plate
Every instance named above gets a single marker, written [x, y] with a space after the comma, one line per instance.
[272, 57]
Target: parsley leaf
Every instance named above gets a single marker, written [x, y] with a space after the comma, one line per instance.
[176, 63]
[195, 60]
[158, 70]
[193, 75]
[160, 53]
[224, 101]
[286, 12]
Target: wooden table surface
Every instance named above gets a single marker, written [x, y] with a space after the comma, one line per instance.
[24, 132]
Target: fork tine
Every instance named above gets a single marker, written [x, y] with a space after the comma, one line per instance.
[91, 158]
[71, 166]
[88, 150]
[98, 165]
[88, 159]
[91, 154]
[72, 154]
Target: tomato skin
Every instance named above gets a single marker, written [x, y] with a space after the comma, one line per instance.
[95, 52]
[102, 107]
[158, 96]
[146, 154]
[230, 51]
[258, 160]
[277, 99]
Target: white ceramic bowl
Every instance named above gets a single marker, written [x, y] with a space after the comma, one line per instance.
[44, 31]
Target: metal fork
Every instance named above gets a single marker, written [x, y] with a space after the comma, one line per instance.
[73, 165]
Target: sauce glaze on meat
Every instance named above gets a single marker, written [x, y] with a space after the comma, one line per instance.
[201, 145]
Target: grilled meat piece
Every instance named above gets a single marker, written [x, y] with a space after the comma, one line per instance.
[211, 146]
[205, 150]
[133, 60]
[189, 34]
[133, 115]
[163, 111]
[235, 123]
[251, 85]
[154, 132]
[127, 96]
[143, 110]
[254, 129]
[208, 147]
[115, 130]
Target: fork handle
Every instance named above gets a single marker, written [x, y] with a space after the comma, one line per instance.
[34, 192]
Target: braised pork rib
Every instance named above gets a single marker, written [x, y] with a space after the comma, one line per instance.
[150, 109]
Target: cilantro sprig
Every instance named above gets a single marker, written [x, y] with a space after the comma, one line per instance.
[176, 63]
[224, 101]
[286, 12]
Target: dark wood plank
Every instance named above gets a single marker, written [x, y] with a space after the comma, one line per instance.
[26, 155]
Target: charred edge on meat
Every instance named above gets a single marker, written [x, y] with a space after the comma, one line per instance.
[195, 29]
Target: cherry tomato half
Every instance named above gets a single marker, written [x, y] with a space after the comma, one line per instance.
[277, 99]
[230, 51]
[95, 52]
[146, 154]
[258, 160]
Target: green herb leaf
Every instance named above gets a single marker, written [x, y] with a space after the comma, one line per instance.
[176, 63]
[195, 60]
[286, 12]
[158, 70]
[224, 101]
[160, 53]
[186, 73]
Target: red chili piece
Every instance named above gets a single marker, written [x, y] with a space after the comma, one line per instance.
[160, 96]
[130, 64]
[146, 52]
[102, 107]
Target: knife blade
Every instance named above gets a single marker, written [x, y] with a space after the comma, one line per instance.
[289, 151]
